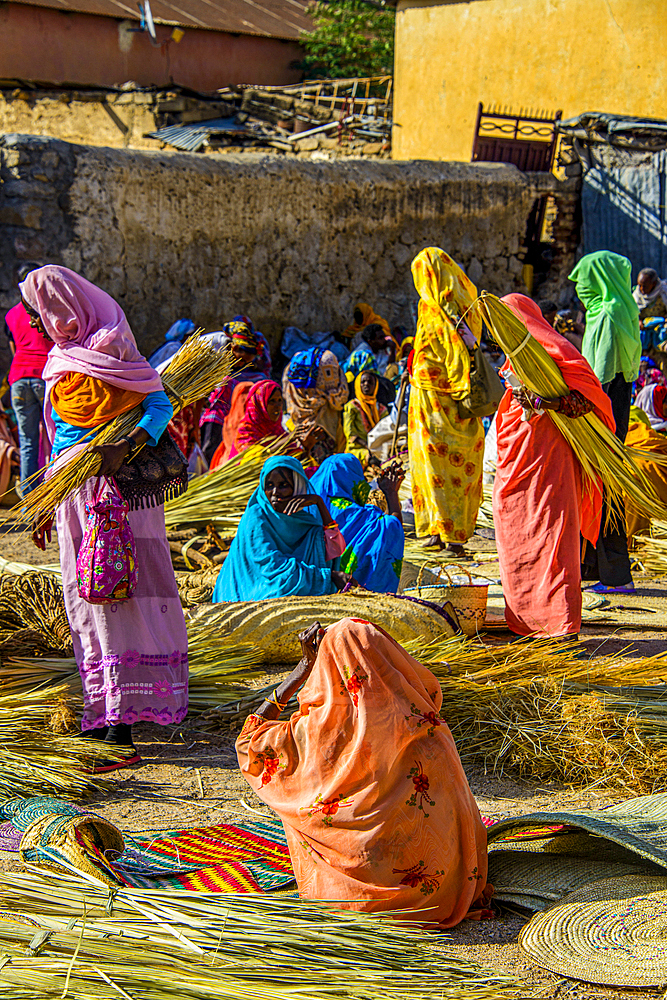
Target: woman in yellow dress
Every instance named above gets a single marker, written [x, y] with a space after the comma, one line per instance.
[446, 450]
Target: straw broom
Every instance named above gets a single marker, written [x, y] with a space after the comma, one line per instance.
[159, 945]
[192, 374]
[600, 453]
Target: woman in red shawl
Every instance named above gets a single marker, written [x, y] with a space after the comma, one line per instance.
[541, 504]
[263, 416]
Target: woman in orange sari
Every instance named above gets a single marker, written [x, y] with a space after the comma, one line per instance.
[446, 450]
[541, 504]
[367, 781]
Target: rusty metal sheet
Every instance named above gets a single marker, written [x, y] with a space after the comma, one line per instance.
[273, 18]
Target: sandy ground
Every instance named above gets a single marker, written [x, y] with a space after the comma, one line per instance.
[190, 777]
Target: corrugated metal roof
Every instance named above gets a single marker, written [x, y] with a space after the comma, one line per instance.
[275, 18]
[192, 137]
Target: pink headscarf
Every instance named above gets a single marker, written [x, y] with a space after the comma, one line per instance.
[89, 329]
[256, 423]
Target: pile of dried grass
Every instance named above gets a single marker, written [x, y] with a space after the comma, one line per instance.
[32, 615]
[36, 761]
[72, 939]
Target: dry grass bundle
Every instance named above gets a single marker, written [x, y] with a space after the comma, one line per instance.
[160, 945]
[600, 453]
[192, 374]
[35, 601]
[651, 549]
[220, 497]
[34, 761]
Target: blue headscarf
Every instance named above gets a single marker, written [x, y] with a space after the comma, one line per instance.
[275, 555]
[375, 541]
[173, 339]
[303, 368]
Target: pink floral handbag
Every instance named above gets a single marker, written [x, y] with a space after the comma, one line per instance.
[106, 566]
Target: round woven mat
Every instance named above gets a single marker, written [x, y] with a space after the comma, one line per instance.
[612, 933]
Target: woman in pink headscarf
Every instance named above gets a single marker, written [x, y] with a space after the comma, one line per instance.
[263, 416]
[541, 503]
[132, 656]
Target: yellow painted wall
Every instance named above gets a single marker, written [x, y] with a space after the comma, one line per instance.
[578, 55]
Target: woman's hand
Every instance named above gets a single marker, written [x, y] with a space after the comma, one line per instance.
[41, 531]
[303, 500]
[392, 477]
[340, 579]
[528, 399]
[112, 455]
[310, 640]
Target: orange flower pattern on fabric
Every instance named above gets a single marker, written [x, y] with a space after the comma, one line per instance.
[328, 807]
[271, 764]
[430, 719]
[353, 681]
[418, 876]
[422, 785]
[446, 502]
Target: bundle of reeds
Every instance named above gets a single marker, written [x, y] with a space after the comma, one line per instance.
[192, 374]
[35, 601]
[220, 497]
[651, 549]
[36, 761]
[603, 458]
[159, 945]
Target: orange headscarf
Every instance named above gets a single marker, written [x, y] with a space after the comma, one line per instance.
[84, 401]
[369, 785]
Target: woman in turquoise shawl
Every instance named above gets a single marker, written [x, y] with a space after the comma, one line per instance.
[275, 554]
[375, 541]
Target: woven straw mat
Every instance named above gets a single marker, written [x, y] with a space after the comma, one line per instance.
[535, 881]
[612, 933]
[639, 825]
[275, 625]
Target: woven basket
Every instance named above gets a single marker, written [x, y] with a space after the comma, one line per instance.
[51, 842]
[468, 600]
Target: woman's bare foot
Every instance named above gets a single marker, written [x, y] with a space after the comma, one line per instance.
[433, 542]
[456, 549]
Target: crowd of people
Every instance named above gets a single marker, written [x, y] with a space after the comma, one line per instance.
[330, 512]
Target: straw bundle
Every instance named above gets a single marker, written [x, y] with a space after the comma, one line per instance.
[600, 453]
[192, 374]
[220, 497]
[159, 945]
[34, 761]
[651, 550]
[35, 601]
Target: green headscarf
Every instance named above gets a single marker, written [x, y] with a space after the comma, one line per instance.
[611, 342]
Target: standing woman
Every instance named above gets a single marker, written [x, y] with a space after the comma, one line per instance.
[446, 450]
[541, 504]
[612, 346]
[132, 655]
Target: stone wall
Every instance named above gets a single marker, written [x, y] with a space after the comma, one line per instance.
[286, 241]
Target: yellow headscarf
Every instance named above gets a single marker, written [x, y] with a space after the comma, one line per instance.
[368, 403]
[368, 316]
[441, 359]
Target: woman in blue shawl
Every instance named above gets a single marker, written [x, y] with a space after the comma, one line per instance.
[280, 545]
[375, 541]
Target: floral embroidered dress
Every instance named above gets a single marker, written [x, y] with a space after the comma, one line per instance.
[446, 450]
[369, 785]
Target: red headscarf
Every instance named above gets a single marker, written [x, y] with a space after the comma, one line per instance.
[578, 375]
[256, 423]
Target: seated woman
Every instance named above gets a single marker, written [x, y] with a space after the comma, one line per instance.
[281, 547]
[367, 781]
[375, 540]
[361, 415]
[316, 391]
[262, 418]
